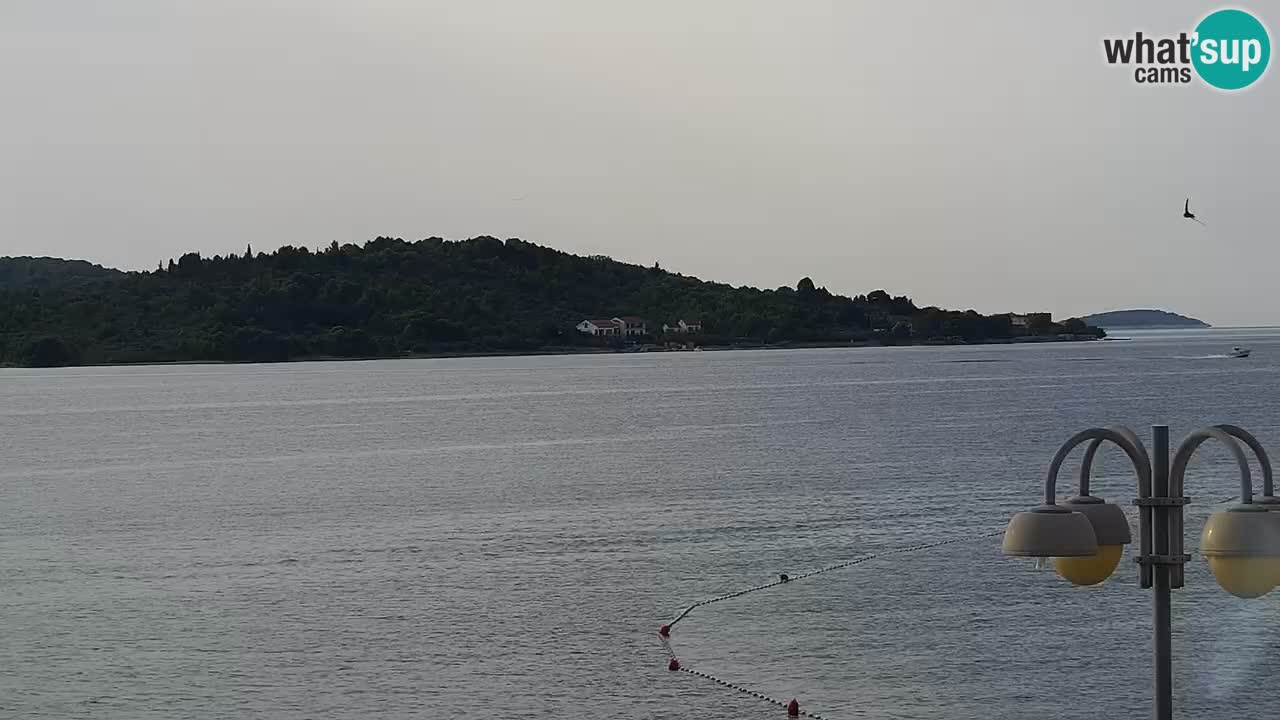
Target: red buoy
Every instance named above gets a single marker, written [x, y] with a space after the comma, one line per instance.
[665, 631]
[793, 708]
[674, 665]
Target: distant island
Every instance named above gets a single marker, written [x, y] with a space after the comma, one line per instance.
[392, 298]
[1143, 319]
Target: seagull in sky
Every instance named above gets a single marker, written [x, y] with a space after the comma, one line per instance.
[1186, 212]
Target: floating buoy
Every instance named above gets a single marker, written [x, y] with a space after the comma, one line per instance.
[665, 631]
[674, 665]
[783, 577]
[793, 708]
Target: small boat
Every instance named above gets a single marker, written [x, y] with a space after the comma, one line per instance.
[1238, 352]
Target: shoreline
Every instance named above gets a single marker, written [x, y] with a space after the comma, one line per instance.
[570, 350]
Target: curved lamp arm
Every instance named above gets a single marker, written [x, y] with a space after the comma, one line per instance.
[1137, 455]
[1086, 465]
[1189, 447]
[1179, 469]
[1244, 436]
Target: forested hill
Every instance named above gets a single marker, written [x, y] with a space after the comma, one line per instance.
[392, 298]
[47, 272]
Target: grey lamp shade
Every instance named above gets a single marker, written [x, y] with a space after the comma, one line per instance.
[1270, 502]
[1241, 531]
[1050, 531]
[1110, 526]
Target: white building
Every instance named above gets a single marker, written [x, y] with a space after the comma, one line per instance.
[683, 326]
[631, 326]
[599, 328]
[1030, 319]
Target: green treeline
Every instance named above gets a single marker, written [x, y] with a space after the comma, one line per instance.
[390, 298]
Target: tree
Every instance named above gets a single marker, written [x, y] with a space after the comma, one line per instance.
[805, 285]
[190, 263]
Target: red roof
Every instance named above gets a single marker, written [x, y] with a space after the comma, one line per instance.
[632, 319]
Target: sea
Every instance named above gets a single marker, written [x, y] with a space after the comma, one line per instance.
[502, 537]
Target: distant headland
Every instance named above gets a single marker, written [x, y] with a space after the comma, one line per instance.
[1143, 319]
[483, 296]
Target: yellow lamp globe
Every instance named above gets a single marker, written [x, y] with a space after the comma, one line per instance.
[1092, 569]
[1242, 547]
[1110, 527]
[1244, 577]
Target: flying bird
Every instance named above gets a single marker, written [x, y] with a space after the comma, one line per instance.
[1186, 212]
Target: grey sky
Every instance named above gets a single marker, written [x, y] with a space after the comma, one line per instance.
[977, 154]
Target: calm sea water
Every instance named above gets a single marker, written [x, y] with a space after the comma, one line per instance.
[500, 538]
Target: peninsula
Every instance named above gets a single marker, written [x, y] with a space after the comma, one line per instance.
[392, 298]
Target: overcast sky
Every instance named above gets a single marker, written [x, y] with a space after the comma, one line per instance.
[977, 154]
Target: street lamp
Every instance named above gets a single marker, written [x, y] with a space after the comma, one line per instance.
[1110, 526]
[1085, 535]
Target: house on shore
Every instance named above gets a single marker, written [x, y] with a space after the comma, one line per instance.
[683, 327]
[1030, 320]
[628, 326]
[631, 326]
[599, 328]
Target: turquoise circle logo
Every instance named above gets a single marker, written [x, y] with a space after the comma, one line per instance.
[1232, 49]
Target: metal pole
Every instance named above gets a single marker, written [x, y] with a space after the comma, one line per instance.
[1161, 525]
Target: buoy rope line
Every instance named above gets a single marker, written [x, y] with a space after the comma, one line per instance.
[792, 707]
[838, 566]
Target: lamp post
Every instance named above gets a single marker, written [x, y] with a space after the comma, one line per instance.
[1085, 535]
